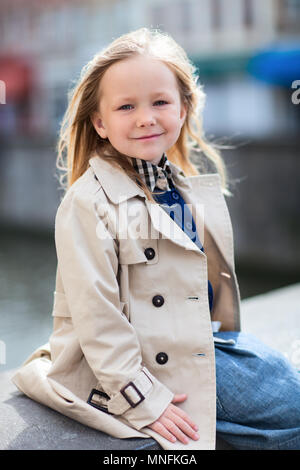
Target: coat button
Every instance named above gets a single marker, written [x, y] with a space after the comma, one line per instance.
[158, 300]
[149, 253]
[175, 195]
[161, 358]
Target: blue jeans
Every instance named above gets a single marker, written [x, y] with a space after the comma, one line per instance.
[258, 395]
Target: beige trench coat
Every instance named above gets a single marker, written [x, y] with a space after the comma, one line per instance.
[132, 322]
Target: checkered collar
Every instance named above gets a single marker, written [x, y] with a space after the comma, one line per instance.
[155, 176]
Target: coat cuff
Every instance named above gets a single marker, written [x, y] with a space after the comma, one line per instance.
[141, 401]
[132, 394]
[148, 410]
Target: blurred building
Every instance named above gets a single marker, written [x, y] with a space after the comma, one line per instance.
[43, 46]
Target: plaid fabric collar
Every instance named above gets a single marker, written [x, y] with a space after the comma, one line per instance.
[155, 176]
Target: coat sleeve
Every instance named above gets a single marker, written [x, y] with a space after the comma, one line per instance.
[88, 264]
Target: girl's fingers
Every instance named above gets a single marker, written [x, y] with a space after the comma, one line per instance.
[178, 430]
[173, 431]
[178, 399]
[182, 414]
[175, 424]
[163, 431]
[184, 426]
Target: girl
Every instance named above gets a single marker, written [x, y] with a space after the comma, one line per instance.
[145, 273]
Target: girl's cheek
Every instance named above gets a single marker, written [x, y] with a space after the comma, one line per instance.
[123, 123]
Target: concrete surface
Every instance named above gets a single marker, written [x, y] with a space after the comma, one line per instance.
[273, 317]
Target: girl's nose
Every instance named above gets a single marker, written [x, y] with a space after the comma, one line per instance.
[145, 119]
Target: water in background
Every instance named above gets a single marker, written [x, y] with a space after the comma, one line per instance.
[27, 276]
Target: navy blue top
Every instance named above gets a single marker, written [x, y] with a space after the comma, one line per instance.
[174, 205]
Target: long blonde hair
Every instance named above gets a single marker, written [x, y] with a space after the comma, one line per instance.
[78, 138]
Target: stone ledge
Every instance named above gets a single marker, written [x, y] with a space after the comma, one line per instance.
[274, 318]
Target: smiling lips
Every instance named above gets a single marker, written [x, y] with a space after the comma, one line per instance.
[147, 137]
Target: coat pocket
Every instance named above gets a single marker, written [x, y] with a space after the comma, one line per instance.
[60, 306]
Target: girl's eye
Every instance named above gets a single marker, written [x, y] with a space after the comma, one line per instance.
[125, 106]
[160, 102]
[130, 106]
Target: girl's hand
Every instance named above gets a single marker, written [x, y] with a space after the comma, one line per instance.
[175, 424]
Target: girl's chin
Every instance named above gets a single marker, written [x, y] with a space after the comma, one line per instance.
[154, 159]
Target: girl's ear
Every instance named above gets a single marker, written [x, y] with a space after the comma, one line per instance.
[98, 125]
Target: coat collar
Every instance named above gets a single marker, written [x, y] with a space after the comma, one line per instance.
[119, 187]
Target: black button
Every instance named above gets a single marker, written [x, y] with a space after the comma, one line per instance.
[158, 300]
[161, 358]
[149, 253]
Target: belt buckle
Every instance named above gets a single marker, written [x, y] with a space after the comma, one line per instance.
[96, 405]
[128, 399]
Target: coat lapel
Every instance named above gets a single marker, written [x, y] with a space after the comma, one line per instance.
[119, 188]
[210, 210]
[165, 225]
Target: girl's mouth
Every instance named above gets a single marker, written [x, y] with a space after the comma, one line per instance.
[148, 137]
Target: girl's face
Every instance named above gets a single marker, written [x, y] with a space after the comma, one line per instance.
[140, 110]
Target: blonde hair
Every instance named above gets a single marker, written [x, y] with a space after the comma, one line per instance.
[78, 138]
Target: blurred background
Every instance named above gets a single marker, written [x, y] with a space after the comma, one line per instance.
[247, 53]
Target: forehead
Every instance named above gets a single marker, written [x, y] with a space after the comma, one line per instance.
[138, 74]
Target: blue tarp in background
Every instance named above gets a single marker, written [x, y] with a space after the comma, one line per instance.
[279, 64]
